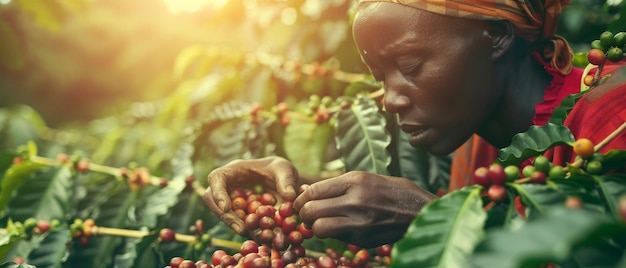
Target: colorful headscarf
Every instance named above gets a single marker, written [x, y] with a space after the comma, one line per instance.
[534, 20]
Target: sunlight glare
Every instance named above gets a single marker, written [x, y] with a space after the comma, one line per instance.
[191, 5]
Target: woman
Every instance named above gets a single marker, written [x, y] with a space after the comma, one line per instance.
[450, 70]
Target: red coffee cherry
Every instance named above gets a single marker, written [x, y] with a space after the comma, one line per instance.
[167, 235]
[596, 56]
[496, 193]
[481, 176]
[217, 255]
[497, 174]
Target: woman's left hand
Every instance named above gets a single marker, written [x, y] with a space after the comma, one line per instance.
[361, 208]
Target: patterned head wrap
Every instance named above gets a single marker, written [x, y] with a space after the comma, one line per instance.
[534, 20]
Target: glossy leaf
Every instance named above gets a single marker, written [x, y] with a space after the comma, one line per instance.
[13, 178]
[362, 139]
[305, 144]
[15, 265]
[444, 233]
[545, 239]
[115, 214]
[139, 253]
[538, 197]
[52, 250]
[44, 196]
[534, 142]
[614, 159]
[611, 188]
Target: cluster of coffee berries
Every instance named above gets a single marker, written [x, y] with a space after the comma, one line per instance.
[494, 176]
[82, 230]
[32, 226]
[270, 223]
[355, 256]
[137, 177]
[610, 46]
[282, 110]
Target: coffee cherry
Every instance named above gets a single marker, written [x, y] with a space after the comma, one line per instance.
[496, 193]
[512, 172]
[361, 257]
[286, 209]
[620, 39]
[227, 260]
[384, 250]
[82, 165]
[176, 261]
[251, 221]
[267, 199]
[573, 202]
[238, 193]
[187, 264]
[217, 255]
[254, 206]
[289, 224]
[43, 226]
[584, 148]
[496, 174]
[248, 246]
[527, 171]
[607, 39]
[265, 211]
[266, 236]
[239, 203]
[594, 167]
[596, 56]
[621, 205]
[267, 223]
[542, 164]
[588, 80]
[538, 177]
[481, 176]
[615, 54]
[167, 235]
[280, 241]
[325, 262]
[295, 237]
[299, 250]
[596, 44]
[556, 172]
[306, 233]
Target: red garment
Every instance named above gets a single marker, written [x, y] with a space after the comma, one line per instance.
[594, 116]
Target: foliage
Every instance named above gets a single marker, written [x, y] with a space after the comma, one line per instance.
[141, 169]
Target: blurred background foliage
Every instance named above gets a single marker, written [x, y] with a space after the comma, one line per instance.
[135, 78]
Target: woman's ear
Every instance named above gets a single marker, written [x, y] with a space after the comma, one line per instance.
[502, 37]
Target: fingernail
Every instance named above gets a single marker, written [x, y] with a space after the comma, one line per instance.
[221, 204]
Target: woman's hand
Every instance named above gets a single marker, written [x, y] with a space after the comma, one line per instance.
[361, 208]
[274, 173]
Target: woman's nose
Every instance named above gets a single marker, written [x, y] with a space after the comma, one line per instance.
[394, 101]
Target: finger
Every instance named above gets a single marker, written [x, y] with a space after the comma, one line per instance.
[335, 227]
[286, 176]
[323, 208]
[230, 218]
[320, 190]
[218, 191]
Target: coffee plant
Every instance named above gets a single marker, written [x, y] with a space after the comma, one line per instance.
[125, 191]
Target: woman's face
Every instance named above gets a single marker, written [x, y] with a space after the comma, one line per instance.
[437, 71]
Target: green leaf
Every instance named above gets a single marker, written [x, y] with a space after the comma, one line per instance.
[611, 188]
[138, 253]
[45, 196]
[13, 179]
[115, 214]
[362, 139]
[52, 249]
[538, 197]
[444, 233]
[7, 242]
[535, 141]
[547, 239]
[614, 159]
[305, 144]
[583, 187]
[560, 112]
[160, 202]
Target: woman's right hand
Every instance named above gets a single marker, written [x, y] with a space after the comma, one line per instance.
[274, 173]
